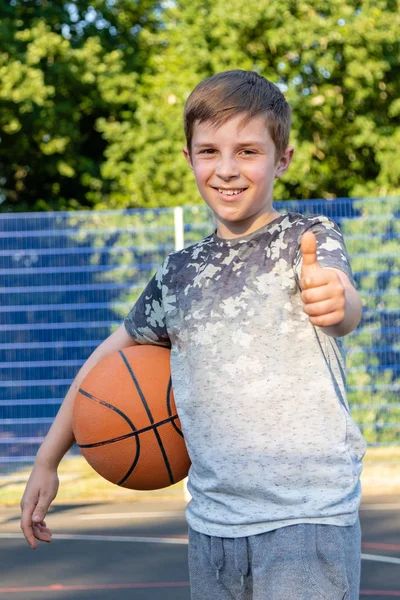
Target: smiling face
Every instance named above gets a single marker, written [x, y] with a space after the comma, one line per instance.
[235, 168]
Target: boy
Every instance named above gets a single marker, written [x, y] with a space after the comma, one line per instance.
[252, 314]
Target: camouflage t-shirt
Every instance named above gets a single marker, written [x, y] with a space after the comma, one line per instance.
[259, 390]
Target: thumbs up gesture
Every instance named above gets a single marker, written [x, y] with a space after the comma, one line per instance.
[323, 292]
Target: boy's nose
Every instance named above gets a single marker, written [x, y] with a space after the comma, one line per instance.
[227, 169]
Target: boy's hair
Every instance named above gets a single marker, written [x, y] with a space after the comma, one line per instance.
[226, 95]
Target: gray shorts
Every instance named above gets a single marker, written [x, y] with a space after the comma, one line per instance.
[298, 562]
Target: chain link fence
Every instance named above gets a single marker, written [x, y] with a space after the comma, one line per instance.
[68, 279]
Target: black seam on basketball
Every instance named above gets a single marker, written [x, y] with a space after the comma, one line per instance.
[139, 390]
[169, 409]
[143, 399]
[169, 388]
[133, 465]
[121, 438]
[135, 433]
[171, 477]
[107, 405]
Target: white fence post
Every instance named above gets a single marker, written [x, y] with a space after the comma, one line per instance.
[179, 228]
[179, 245]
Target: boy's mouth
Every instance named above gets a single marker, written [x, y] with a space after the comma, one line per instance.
[230, 192]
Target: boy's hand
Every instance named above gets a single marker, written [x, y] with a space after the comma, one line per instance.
[323, 291]
[40, 491]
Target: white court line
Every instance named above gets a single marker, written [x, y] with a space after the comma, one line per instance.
[387, 559]
[161, 540]
[181, 513]
[169, 514]
[105, 538]
[133, 515]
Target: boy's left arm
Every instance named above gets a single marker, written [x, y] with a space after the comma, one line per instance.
[330, 300]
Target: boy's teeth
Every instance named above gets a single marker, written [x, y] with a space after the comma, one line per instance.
[230, 192]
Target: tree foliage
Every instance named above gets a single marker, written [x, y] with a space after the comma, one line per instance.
[63, 69]
[91, 97]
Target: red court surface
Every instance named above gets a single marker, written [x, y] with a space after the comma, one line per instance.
[139, 551]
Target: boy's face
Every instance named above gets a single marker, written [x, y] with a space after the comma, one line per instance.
[235, 169]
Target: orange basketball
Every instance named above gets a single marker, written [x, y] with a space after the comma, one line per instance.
[125, 421]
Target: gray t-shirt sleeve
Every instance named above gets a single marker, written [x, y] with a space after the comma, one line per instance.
[145, 322]
[331, 249]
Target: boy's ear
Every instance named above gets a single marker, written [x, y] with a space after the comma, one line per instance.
[186, 154]
[284, 162]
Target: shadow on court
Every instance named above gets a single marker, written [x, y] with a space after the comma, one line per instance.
[139, 551]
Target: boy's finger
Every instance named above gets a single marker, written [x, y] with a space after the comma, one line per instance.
[308, 247]
[26, 525]
[42, 527]
[40, 512]
[42, 533]
[316, 279]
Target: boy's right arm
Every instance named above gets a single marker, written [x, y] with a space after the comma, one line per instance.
[42, 485]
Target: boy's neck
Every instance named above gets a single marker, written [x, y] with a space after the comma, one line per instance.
[231, 230]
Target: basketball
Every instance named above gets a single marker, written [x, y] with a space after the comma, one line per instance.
[125, 420]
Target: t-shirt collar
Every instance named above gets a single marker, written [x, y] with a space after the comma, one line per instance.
[232, 242]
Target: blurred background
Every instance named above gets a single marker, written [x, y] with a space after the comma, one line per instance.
[95, 191]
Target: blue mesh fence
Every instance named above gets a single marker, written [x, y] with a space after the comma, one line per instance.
[68, 279]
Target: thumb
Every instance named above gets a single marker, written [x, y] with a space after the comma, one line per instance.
[308, 247]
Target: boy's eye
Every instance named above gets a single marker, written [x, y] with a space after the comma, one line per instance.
[248, 152]
[207, 151]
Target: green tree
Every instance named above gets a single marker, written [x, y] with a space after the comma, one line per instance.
[92, 97]
[63, 68]
[337, 62]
